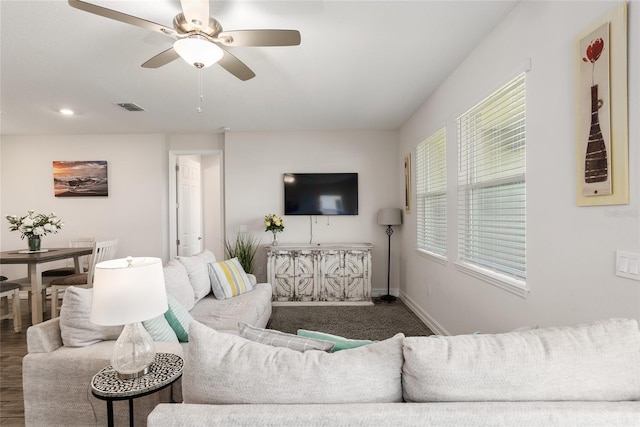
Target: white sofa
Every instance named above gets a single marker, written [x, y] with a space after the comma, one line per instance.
[56, 376]
[587, 375]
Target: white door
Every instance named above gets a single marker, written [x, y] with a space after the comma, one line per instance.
[189, 209]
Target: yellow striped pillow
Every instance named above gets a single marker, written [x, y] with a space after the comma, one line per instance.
[231, 278]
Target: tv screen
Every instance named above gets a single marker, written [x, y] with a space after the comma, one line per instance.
[321, 194]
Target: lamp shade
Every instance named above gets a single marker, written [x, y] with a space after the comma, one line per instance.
[198, 51]
[128, 290]
[390, 216]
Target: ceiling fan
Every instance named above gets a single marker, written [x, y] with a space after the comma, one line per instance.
[200, 39]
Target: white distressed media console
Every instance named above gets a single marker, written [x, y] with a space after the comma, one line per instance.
[320, 273]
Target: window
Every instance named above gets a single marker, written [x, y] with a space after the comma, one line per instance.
[491, 185]
[431, 190]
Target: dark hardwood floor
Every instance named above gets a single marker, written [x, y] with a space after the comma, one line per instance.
[13, 346]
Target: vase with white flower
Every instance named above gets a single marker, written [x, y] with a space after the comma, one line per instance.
[33, 226]
[275, 224]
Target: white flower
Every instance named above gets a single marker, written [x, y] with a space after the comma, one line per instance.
[34, 224]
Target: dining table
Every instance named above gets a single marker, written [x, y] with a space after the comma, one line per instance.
[35, 261]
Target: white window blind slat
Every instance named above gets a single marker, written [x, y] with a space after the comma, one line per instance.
[431, 189]
[491, 182]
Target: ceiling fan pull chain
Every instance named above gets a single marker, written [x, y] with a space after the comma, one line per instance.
[201, 96]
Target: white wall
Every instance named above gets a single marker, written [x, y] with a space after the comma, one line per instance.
[255, 162]
[134, 212]
[137, 209]
[570, 249]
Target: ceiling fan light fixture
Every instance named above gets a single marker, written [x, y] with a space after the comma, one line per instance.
[198, 51]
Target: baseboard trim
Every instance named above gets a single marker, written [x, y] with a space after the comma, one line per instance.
[427, 319]
[317, 303]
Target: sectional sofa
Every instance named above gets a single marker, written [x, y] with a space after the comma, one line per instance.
[587, 375]
[66, 352]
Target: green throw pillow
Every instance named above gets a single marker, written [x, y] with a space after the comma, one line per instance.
[172, 326]
[178, 318]
[340, 342]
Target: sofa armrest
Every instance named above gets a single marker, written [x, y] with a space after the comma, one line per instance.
[44, 337]
[252, 279]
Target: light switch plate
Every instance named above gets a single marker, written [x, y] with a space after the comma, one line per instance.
[628, 265]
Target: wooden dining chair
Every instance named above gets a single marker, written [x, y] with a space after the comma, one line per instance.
[103, 250]
[11, 290]
[78, 242]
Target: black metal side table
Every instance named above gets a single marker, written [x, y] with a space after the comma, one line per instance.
[164, 371]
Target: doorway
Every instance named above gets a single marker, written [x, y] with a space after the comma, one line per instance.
[196, 211]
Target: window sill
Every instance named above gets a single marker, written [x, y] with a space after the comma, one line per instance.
[514, 286]
[432, 256]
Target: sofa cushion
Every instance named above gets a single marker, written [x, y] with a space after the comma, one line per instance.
[242, 371]
[340, 343]
[198, 272]
[597, 361]
[252, 308]
[280, 339]
[75, 327]
[228, 279]
[176, 281]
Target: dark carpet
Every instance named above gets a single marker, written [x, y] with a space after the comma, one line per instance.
[372, 322]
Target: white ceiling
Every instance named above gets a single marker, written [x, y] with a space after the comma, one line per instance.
[361, 65]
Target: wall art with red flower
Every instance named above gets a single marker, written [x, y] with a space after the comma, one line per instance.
[602, 148]
[595, 112]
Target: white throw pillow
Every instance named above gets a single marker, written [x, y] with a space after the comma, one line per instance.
[75, 327]
[176, 281]
[222, 368]
[198, 273]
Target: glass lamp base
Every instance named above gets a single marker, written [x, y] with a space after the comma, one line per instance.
[133, 352]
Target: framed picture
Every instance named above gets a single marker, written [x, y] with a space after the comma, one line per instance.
[407, 183]
[80, 178]
[602, 147]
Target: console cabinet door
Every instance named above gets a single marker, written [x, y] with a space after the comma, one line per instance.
[357, 272]
[305, 276]
[282, 275]
[332, 273]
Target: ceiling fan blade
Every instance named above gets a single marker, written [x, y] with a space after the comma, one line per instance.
[119, 16]
[196, 12]
[163, 58]
[236, 67]
[260, 38]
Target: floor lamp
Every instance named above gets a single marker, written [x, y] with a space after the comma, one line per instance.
[389, 217]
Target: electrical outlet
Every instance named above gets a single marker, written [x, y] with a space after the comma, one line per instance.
[628, 265]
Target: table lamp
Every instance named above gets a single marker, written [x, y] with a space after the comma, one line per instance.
[389, 217]
[126, 292]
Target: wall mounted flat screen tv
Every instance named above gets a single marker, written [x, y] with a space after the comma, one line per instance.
[321, 194]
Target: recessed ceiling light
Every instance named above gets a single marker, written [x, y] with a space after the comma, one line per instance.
[66, 111]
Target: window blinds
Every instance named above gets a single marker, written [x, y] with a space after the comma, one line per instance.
[491, 182]
[431, 190]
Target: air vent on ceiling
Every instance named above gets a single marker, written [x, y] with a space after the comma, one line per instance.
[130, 106]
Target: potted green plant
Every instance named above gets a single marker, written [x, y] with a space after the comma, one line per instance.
[243, 247]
